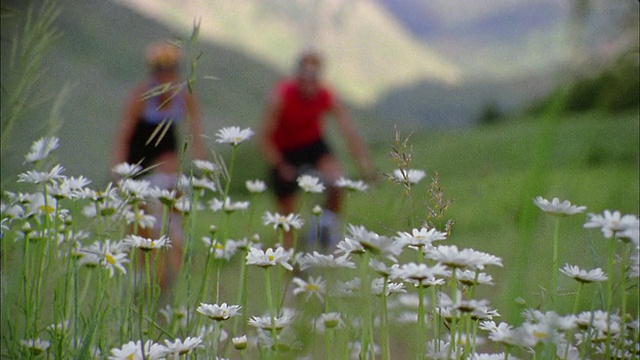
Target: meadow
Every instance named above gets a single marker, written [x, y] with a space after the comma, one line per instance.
[77, 282]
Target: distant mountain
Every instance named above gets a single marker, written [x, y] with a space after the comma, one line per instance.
[368, 51]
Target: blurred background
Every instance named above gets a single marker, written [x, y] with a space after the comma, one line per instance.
[415, 64]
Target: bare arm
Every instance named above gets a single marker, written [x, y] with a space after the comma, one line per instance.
[355, 144]
[195, 126]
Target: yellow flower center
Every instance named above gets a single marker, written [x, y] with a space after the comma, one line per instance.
[312, 287]
[130, 357]
[110, 259]
[47, 209]
[270, 258]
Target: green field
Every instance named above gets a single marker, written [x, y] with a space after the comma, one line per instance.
[490, 174]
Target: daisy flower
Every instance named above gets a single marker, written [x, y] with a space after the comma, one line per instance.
[240, 342]
[584, 276]
[233, 135]
[557, 208]
[110, 255]
[36, 346]
[40, 177]
[146, 244]
[419, 238]
[133, 351]
[127, 170]
[502, 333]
[349, 246]
[472, 278]
[255, 186]
[41, 149]
[351, 185]
[409, 176]
[219, 312]
[310, 184]
[497, 356]
[135, 190]
[165, 196]
[143, 220]
[324, 261]
[419, 272]
[467, 258]
[281, 221]
[315, 287]
[375, 243]
[227, 205]
[264, 322]
[269, 258]
[179, 348]
[330, 320]
[378, 285]
[205, 166]
[611, 223]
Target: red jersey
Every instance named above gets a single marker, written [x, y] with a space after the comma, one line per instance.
[300, 118]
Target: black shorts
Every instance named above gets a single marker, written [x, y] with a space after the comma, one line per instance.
[146, 154]
[300, 158]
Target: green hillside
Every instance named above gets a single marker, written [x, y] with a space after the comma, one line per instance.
[100, 58]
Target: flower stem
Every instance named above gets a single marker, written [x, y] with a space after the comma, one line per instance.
[554, 268]
[272, 310]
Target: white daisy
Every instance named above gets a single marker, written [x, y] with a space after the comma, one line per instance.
[281, 221]
[310, 184]
[133, 351]
[324, 261]
[331, 320]
[233, 135]
[315, 287]
[611, 223]
[126, 170]
[370, 241]
[219, 312]
[36, 346]
[40, 177]
[420, 237]
[584, 276]
[255, 186]
[179, 348]
[269, 258]
[146, 244]
[378, 285]
[205, 166]
[41, 149]
[471, 278]
[264, 322]
[557, 208]
[409, 176]
[352, 185]
[227, 205]
[240, 342]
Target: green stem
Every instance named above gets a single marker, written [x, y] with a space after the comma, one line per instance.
[272, 310]
[612, 248]
[386, 351]
[454, 314]
[576, 304]
[554, 274]
[231, 166]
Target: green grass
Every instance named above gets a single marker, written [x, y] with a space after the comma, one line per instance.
[484, 171]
